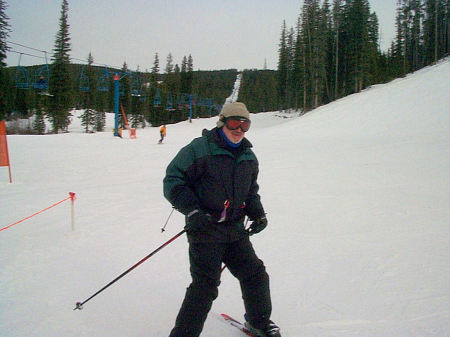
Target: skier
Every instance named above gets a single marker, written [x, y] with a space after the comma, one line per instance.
[213, 182]
[162, 132]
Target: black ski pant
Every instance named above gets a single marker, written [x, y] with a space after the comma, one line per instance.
[206, 260]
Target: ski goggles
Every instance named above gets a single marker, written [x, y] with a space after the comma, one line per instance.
[233, 123]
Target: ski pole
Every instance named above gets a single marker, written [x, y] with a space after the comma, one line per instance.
[164, 227]
[79, 305]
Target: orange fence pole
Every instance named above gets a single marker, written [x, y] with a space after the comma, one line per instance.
[4, 155]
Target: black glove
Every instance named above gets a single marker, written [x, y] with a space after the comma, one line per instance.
[197, 220]
[257, 225]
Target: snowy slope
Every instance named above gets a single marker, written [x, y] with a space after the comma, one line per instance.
[235, 92]
[358, 202]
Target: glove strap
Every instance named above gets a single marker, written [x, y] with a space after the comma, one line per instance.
[223, 215]
[192, 213]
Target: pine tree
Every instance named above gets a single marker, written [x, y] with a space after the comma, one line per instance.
[337, 50]
[290, 79]
[170, 81]
[326, 53]
[4, 32]
[283, 67]
[299, 68]
[313, 51]
[155, 71]
[335, 53]
[416, 34]
[374, 73]
[177, 78]
[183, 75]
[4, 75]
[60, 85]
[399, 45]
[38, 122]
[435, 30]
[88, 117]
[189, 73]
[357, 15]
[169, 64]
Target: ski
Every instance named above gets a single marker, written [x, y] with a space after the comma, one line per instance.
[230, 320]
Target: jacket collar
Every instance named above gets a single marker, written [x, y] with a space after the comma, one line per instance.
[213, 136]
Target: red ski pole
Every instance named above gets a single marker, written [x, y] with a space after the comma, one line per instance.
[79, 305]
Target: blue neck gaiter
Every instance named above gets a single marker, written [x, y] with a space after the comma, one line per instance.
[229, 143]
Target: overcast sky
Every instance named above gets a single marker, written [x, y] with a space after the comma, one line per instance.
[219, 34]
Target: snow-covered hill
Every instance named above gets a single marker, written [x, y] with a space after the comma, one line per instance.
[358, 200]
[235, 92]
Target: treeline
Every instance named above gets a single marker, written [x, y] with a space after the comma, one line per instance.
[259, 90]
[334, 49]
[147, 97]
[51, 91]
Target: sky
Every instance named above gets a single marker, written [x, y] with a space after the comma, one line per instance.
[219, 34]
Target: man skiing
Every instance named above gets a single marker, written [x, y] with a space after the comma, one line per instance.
[213, 182]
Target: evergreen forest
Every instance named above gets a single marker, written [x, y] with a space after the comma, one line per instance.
[332, 51]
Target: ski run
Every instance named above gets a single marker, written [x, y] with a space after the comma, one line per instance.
[357, 195]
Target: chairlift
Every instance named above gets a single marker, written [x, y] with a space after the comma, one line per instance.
[42, 77]
[84, 81]
[157, 98]
[169, 103]
[22, 77]
[180, 101]
[103, 81]
[136, 86]
[187, 100]
[209, 104]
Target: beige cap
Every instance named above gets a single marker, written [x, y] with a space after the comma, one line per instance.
[235, 109]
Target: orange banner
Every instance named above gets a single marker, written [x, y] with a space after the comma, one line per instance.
[4, 158]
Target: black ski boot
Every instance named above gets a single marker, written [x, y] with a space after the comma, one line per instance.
[270, 330]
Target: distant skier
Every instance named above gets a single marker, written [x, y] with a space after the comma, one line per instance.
[162, 132]
[212, 181]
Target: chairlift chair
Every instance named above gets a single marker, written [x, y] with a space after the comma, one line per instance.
[84, 82]
[157, 98]
[22, 77]
[41, 78]
[136, 86]
[169, 103]
[103, 81]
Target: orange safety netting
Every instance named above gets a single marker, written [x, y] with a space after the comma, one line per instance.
[71, 197]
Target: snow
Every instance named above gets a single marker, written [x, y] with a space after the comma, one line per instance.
[358, 202]
[235, 92]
